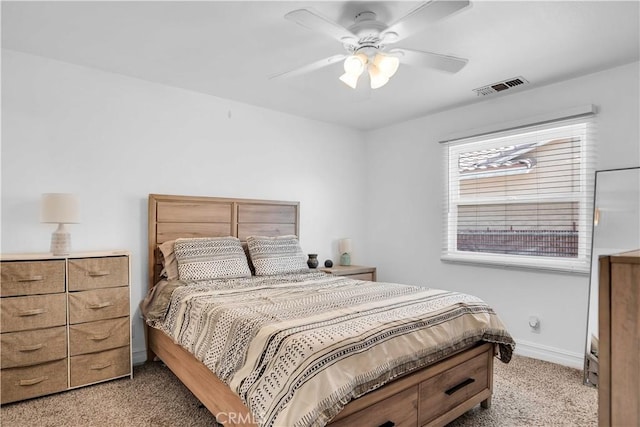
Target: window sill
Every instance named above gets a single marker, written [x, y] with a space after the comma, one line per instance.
[504, 262]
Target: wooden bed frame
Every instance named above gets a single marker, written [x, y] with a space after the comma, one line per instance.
[431, 396]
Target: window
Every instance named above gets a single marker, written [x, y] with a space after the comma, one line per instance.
[521, 197]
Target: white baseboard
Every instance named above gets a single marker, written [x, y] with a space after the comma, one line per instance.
[550, 354]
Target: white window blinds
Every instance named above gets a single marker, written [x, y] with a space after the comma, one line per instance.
[522, 197]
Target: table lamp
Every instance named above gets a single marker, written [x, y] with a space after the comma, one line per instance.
[344, 247]
[61, 209]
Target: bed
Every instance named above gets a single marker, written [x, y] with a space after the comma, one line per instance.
[429, 394]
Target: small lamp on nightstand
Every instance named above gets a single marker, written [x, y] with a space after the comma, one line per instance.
[344, 247]
[61, 209]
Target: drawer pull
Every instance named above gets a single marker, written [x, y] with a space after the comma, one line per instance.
[101, 367]
[33, 312]
[101, 337]
[388, 424]
[33, 381]
[99, 273]
[100, 305]
[462, 385]
[28, 348]
[31, 279]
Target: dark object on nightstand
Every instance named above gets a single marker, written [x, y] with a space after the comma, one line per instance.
[328, 263]
[312, 262]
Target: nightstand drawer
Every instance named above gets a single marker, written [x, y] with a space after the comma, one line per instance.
[94, 273]
[357, 272]
[33, 312]
[98, 336]
[32, 347]
[363, 276]
[90, 368]
[98, 304]
[24, 383]
[32, 277]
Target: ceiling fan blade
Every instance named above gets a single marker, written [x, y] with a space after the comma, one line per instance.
[425, 14]
[314, 21]
[310, 67]
[440, 62]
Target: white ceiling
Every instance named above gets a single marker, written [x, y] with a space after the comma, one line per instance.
[229, 49]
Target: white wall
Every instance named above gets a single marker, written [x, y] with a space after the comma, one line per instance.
[113, 140]
[405, 194]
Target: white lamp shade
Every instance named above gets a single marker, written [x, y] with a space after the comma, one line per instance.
[388, 65]
[344, 246]
[60, 208]
[350, 80]
[377, 78]
[354, 64]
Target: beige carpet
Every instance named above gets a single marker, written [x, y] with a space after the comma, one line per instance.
[527, 392]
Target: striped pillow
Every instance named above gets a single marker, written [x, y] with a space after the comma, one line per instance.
[276, 255]
[210, 258]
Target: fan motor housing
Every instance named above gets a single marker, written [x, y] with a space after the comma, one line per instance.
[368, 30]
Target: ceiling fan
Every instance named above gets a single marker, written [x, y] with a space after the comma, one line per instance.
[367, 42]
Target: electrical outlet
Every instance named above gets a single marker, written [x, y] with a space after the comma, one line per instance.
[534, 324]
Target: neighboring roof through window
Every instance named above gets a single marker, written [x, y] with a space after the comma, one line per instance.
[500, 160]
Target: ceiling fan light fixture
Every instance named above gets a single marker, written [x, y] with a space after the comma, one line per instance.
[368, 39]
[350, 80]
[388, 65]
[378, 79]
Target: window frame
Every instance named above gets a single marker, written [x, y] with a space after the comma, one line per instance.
[583, 196]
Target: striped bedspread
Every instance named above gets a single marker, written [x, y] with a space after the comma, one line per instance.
[297, 348]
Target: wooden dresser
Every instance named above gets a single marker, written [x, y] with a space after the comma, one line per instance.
[619, 323]
[353, 271]
[65, 322]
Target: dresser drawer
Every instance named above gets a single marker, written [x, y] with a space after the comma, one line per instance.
[32, 381]
[99, 304]
[401, 410]
[32, 277]
[32, 312]
[98, 336]
[454, 386]
[33, 347]
[95, 273]
[90, 368]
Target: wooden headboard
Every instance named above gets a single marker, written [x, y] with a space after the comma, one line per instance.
[171, 217]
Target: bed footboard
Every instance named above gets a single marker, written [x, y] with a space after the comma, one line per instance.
[433, 396]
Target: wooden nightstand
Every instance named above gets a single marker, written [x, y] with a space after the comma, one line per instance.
[353, 271]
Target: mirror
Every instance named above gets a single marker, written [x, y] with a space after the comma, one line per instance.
[616, 228]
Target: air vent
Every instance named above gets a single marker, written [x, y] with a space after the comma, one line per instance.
[500, 86]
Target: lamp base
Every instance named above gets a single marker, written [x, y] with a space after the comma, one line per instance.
[345, 259]
[60, 241]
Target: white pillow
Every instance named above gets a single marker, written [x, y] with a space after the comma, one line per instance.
[276, 255]
[211, 258]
